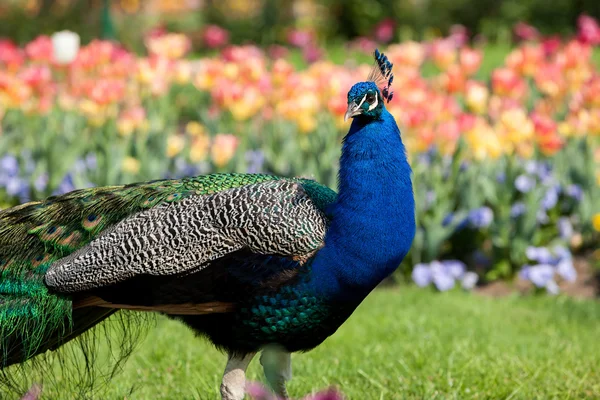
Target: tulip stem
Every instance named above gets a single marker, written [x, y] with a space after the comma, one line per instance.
[108, 28]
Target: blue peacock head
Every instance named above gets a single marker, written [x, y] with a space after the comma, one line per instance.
[365, 100]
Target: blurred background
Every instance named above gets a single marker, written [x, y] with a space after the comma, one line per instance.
[498, 102]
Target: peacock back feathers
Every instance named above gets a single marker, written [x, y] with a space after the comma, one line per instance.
[35, 235]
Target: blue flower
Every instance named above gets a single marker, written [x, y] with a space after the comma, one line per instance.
[575, 192]
[66, 185]
[531, 167]
[517, 209]
[448, 219]
[541, 274]
[41, 182]
[542, 217]
[255, 160]
[9, 165]
[469, 280]
[441, 278]
[566, 270]
[540, 254]
[524, 183]
[15, 185]
[501, 177]
[550, 198]
[91, 161]
[455, 268]
[524, 272]
[421, 275]
[481, 217]
[552, 288]
[562, 253]
[565, 228]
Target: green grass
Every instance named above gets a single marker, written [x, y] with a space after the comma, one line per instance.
[405, 344]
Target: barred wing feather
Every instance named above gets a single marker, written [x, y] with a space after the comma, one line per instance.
[272, 218]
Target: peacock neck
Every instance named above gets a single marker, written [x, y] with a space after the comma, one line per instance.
[373, 220]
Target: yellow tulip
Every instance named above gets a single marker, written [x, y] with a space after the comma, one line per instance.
[194, 128]
[131, 165]
[175, 143]
[596, 222]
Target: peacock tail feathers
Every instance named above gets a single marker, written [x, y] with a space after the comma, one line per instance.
[35, 235]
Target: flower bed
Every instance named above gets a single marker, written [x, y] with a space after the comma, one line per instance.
[506, 167]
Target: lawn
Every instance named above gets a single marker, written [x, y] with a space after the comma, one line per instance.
[405, 344]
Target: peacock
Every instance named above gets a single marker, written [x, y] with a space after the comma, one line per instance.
[256, 263]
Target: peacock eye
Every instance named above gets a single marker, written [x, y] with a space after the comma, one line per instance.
[370, 98]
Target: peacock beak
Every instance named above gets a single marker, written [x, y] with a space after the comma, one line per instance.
[352, 111]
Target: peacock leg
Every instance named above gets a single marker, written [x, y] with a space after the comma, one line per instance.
[277, 365]
[234, 379]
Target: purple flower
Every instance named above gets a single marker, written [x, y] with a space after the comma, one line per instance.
[455, 268]
[441, 278]
[448, 219]
[15, 185]
[501, 177]
[469, 280]
[79, 167]
[542, 217]
[524, 272]
[575, 192]
[41, 182]
[430, 198]
[531, 167]
[66, 185]
[550, 199]
[562, 253]
[9, 165]
[524, 183]
[540, 254]
[255, 160]
[517, 209]
[421, 275]
[566, 270]
[91, 161]
[552, 288]
[481, 217]
[565, 228]
[541, 274]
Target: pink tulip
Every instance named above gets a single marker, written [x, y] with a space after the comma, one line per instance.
[40, 49]
[384, 31]
[10, 55]
[311, 53]
[214, 37]
[524, 31]
[588, 30]
[459, 35]
[551, 45]
[300, 38]
[470, 60]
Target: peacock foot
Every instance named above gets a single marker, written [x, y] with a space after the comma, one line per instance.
[277, 366]
[233, 386]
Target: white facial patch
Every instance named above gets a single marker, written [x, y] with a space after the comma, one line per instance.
[362, 101]
[372, 106]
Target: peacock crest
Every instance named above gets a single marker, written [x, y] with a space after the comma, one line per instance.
[382, 75]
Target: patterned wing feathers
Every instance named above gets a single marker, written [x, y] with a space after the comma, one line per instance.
[271, 217]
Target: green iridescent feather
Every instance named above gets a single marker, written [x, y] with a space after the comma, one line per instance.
[34, 235]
